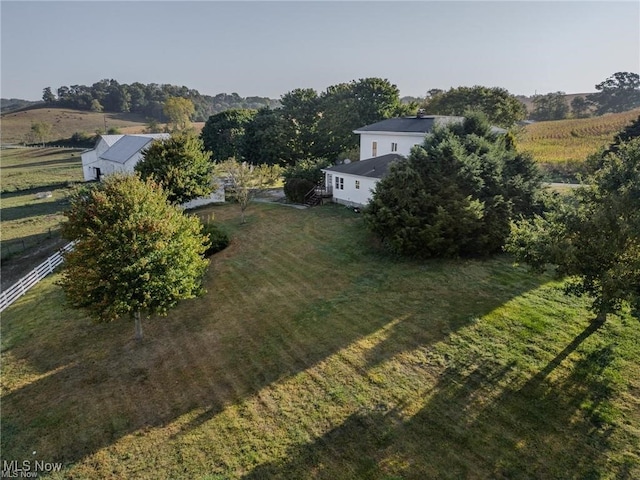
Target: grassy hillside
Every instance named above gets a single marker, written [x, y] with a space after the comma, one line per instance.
[574, 139]
[65, 122]
[314, 356]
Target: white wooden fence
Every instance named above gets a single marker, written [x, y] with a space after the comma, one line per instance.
[11, 294]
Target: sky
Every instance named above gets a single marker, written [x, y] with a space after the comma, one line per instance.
[270, 48]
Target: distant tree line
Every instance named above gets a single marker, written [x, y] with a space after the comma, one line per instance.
[10, 104]
[618, 93]
[148, 100]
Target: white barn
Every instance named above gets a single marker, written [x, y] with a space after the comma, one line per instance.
[381, 143]
[120, 154]
[116, 154]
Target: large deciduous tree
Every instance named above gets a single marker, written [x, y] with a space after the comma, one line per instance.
[347, 106]
[593, 235]
[267, 139]
[134, 254]
[455, 194]
[47, 96]
[300, 109]
[180, 165]
[179, 112]
[224, 133]
[499, 106]
[40, 131]
[618, 93]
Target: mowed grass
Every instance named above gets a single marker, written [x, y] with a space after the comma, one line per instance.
[27, 216]
[314, 355]
[572, 140]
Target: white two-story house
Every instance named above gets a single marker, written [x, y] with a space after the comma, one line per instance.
[381, 144]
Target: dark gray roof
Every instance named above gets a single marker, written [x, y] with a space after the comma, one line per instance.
[409, 124]
[415, 124]
[376, 167]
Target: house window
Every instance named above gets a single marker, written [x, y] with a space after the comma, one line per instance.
[374, 149]
[337, 183]
[357, 184]
[394, 147]
[341, 183]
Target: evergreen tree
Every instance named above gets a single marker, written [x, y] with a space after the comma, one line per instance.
[455, 194]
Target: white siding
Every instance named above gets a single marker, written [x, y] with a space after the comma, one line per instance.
[89, 161]
[384, 140]
[349, 194]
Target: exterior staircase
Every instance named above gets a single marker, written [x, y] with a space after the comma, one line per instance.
[316, 195]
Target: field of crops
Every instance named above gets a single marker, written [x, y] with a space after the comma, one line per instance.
[572, 140]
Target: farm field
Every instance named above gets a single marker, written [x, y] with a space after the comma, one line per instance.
[315, 355]
[65, 122]
[572, 140]
[29, 217]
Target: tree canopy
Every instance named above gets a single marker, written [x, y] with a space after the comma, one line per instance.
[593, 235]
[455, 194]
[552, 106]
[618, 93]
[134, 253]
[347, 106]
[148, 99]
[224, 133]
[179, 112]
[180, 165]
[500, 107]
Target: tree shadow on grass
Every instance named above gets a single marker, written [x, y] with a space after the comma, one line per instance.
[540, 430]
[91, 384]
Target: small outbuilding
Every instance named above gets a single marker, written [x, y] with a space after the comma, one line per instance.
[120, 154]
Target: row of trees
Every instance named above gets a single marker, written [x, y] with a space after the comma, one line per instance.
[307, 124]
[618, 93]
[146, 99]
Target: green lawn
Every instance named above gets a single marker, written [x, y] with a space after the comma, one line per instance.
[314, 355]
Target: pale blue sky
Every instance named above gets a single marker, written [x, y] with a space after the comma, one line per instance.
[269, 48]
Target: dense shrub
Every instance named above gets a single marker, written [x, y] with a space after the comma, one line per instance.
[296, 188]
[456, 195]
[218, 238]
